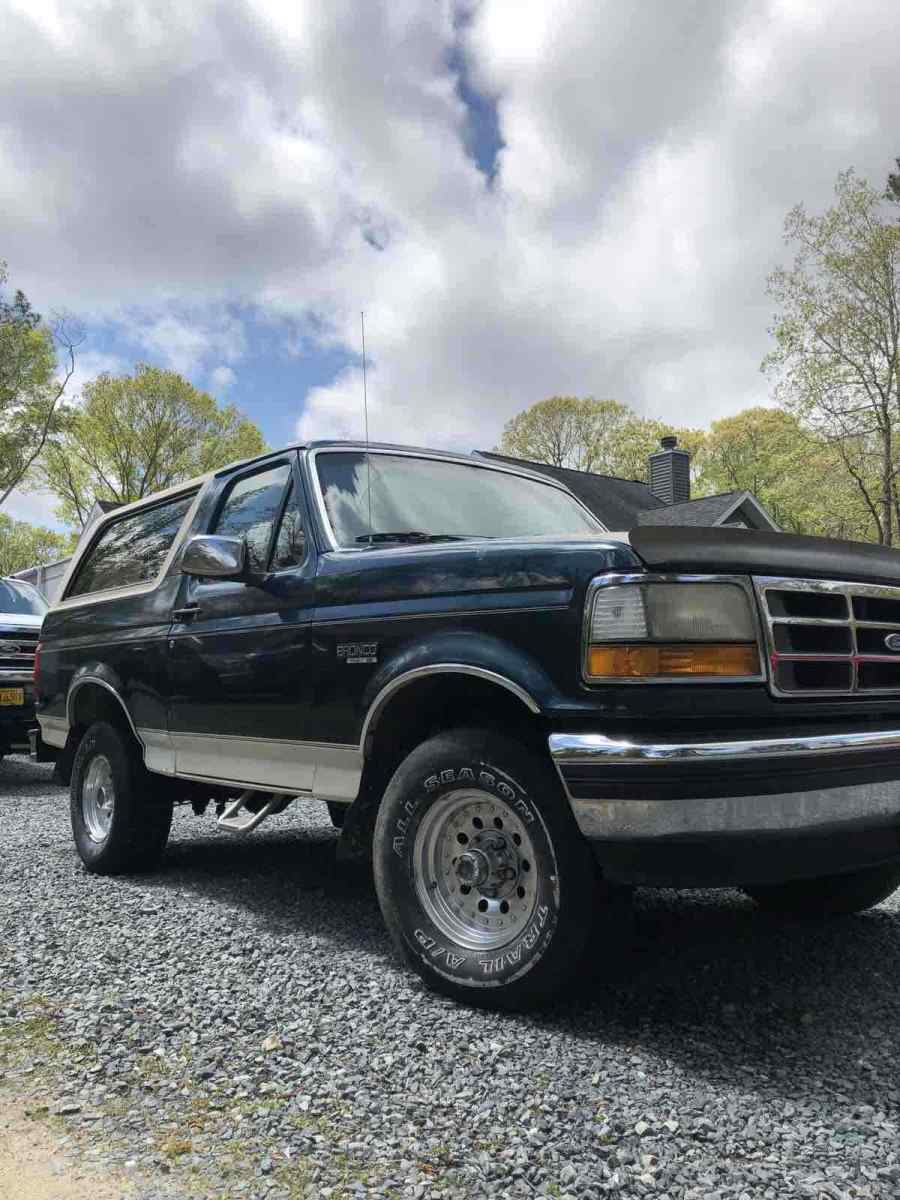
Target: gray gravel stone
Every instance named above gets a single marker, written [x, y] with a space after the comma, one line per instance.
[237, 1025]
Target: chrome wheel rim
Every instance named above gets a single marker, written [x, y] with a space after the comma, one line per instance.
[475, 867]
[98, 798]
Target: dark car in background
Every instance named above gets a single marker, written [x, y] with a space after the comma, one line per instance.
[22, 609]
[508, 708]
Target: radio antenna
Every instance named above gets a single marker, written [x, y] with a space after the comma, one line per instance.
[362, 329]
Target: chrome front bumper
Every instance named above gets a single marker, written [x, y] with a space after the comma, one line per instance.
[585, 761]
[15, 675]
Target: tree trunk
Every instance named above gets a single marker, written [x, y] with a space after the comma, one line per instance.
[887, 485]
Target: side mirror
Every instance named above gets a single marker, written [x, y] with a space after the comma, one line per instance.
[215, 557]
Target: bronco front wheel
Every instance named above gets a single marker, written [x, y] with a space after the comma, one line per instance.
[484, 880]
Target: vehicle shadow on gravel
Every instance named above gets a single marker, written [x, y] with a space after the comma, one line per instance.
[764, 1002]
[289, 880]
[18, 774]
[701, 978]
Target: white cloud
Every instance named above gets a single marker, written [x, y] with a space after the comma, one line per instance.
[187, 157]
[184, 341]
[88, 365]
[221, 378]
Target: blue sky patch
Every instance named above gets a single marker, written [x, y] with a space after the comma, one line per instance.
[275, 361]
[481, 135]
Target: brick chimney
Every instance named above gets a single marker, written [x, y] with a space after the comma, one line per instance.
[670, 472]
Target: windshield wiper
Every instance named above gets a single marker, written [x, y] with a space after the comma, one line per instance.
[413, 536]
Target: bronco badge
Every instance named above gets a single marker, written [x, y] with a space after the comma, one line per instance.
[358, 652]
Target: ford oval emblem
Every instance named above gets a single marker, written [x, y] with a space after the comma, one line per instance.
[892, 641]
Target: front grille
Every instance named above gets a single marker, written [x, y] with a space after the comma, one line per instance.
[826, 638]
[17, 649]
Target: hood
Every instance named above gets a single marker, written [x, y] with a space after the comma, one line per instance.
[746, 552]
[21, 620]
[549, 568]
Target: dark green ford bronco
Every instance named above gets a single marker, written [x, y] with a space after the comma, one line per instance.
[509, 708]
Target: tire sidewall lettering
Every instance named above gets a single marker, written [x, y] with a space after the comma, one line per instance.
[462, 965]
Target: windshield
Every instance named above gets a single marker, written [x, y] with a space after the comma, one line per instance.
[418, 499]
[21, 598]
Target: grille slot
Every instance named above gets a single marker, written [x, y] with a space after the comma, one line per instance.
[870, 638]
[877, 608]
[812, 674]
[829, 638]
[879, 676]
[813, 639]
[821, 606]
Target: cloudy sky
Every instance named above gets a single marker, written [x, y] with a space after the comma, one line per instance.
[525, 197]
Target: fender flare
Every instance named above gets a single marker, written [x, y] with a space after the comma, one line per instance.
[102, 677]
[480, 655]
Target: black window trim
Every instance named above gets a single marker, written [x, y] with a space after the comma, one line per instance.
[288, 459]
[294, 484]
[193, 487]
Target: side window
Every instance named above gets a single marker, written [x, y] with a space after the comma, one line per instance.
[250, 509]
[290, 545]
[131, 551]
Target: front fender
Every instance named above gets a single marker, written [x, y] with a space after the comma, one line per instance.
[460, 652]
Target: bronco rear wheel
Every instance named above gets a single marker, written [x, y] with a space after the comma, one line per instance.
[117, 822]
[484, 880]
[831, 895]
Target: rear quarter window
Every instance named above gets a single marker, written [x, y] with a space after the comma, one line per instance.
[132, 550]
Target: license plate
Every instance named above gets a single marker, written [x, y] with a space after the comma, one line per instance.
[12, 696]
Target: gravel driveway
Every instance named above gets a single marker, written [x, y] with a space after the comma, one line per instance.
[237, 1025]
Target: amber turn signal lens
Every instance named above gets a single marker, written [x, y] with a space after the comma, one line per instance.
[635, 662]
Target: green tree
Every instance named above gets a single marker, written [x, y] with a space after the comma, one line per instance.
[836, 360]
[32, 384]
[638, 438]
[588, 435]
[564, 431]
[768, 452]
[24, 545]
[136, 434]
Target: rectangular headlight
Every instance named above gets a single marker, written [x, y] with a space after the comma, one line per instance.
[698, 612]
[674, 629]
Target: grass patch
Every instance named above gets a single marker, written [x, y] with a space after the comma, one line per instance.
[174, 1146]
[31, 1033]
[151, 1066]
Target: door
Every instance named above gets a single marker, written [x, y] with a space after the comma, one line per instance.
[238, 651]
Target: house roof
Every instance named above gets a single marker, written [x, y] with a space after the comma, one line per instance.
[706, 510]
[626, 503]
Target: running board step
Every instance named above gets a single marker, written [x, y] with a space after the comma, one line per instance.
[231, 821]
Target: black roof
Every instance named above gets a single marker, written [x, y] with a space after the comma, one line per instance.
[361, 446]
[627, 503]
[706, 510]
[619, 503]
